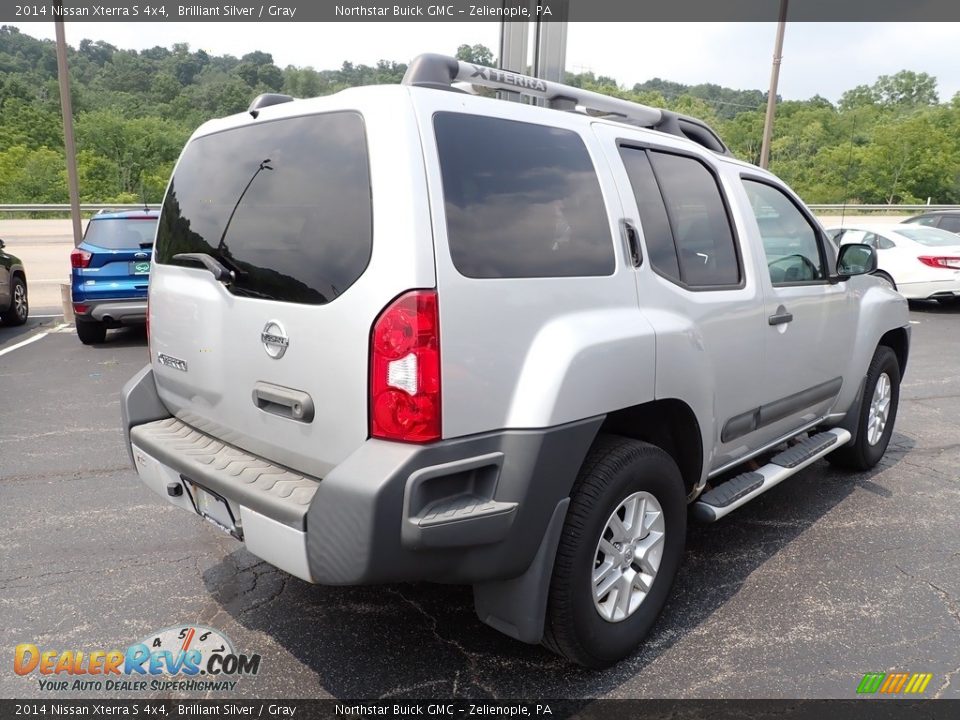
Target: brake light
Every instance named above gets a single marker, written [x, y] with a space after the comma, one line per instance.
[80, 258]
[940, 262]
[405, 369]
[80, 308]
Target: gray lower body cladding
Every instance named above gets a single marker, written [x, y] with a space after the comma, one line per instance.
[466, 510]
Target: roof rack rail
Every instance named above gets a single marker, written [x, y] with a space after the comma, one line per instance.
[266, 100]
[441, 72]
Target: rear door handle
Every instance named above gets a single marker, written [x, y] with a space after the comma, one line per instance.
[780, 317]
[632, 237]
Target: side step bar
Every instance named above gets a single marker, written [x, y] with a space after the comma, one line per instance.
[727, 497]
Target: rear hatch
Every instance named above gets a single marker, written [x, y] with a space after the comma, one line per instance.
[274, 361]
[120, 251]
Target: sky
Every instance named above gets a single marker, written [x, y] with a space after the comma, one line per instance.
[818, 58]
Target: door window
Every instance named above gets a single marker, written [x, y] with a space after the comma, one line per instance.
[790, 241]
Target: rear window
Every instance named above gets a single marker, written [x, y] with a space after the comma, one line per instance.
[285, 204]
[932, 237]
[521, 200]
[121, 233]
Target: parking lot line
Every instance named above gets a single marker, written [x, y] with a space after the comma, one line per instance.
[33, 339]
[21, 344]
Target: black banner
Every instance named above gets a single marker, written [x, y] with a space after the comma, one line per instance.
[874, 709]
[479, 10]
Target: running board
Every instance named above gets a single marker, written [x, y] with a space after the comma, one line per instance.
[727, 497]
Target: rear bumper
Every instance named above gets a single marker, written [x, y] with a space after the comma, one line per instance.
[467, 510]
[119, 312]
[931, 290]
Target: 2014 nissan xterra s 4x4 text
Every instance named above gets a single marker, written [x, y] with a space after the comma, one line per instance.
[409, 333]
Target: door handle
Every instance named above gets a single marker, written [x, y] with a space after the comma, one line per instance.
[283, 401]
[633, 242]
[780, 317]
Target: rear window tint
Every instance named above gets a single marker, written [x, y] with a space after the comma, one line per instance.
[121, 233]
[699, 220]
[286, 204]
[521, 200]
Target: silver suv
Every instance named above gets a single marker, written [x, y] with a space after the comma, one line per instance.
[411, 333]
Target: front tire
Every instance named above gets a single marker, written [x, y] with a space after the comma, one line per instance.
[878, 413]
[19, 308]
[91, 332]
[621, 545]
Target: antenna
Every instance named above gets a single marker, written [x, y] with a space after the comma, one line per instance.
[843, 212]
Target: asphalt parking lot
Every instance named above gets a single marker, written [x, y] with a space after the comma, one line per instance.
[798, 594]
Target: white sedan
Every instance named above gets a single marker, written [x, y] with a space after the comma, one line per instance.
[923, 263]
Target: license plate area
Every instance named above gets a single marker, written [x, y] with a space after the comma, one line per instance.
[213, 508]
[140, 267]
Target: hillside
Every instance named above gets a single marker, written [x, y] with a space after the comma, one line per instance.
[893, 141]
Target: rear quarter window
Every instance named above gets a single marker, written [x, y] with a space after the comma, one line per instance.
[521, 200]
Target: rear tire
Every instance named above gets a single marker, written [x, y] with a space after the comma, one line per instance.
[877, 415]
[585, 624]
[91, 332]
[19, 308]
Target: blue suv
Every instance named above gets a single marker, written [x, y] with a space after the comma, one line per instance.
[110, 272]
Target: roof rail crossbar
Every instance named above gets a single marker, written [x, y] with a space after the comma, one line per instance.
[441, 72]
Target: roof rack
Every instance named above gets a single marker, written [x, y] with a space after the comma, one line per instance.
[266, 100]
[441, 72]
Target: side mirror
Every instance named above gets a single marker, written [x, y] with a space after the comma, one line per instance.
[856, 259]
[2, 244]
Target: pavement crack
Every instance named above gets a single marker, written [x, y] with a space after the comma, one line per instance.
[470, 657]
[946, 684]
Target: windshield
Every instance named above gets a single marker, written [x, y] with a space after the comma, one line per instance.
[121, 233]
[284, 204]
[933, 237]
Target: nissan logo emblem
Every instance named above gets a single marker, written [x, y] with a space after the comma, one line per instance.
[274, 339]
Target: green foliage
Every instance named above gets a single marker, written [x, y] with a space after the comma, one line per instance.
[892, 141]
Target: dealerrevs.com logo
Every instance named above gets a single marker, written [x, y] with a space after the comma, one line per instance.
[184, 657]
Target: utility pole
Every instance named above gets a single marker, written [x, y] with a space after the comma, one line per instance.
[772, 95]
[66, 110]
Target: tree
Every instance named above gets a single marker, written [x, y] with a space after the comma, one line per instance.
[476, 54]
[907, 88]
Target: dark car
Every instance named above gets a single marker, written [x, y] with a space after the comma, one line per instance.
[948, 220]
[14, 307]
[110, 272]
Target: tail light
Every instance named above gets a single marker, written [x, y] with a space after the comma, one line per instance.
[940, 262]
[405, 369]
[81, 308]
[80, 258]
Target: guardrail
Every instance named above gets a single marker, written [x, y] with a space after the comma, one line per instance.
[816, 207]
[84, 207]
[881, 207]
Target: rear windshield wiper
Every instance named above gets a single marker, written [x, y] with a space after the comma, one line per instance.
[215, 266]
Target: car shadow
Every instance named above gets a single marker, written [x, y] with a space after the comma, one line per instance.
[932, 307]
[17, 333]
[424, 641]
[130, 336]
